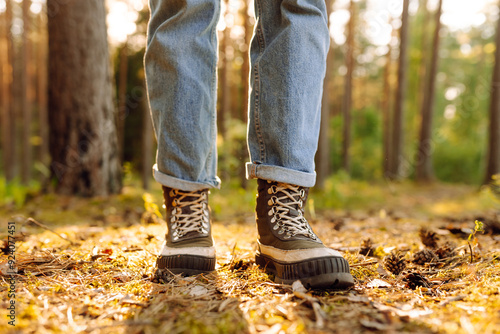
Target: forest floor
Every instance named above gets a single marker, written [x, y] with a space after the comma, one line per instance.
[86, 265]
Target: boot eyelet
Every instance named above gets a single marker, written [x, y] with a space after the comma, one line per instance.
[276, 227]
[281, 232]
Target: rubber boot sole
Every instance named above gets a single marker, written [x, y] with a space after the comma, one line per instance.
[184, 265]
[317, 273]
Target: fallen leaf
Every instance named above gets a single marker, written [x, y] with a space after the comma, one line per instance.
[378, 283]
[298, 286]
[197, 291]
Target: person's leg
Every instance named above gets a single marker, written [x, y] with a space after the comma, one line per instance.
[288, 55]
[180, 65]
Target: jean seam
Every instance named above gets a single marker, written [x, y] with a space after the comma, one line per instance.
[261, 41]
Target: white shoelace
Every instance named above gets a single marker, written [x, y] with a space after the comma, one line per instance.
[291, 201]
[195, 221]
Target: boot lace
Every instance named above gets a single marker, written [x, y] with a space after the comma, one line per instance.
[189, 213]
[287, 211]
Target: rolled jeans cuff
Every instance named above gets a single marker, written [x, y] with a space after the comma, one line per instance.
[176, 183]
[280, 174]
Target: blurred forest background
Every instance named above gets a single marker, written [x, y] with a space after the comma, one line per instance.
[411, 92]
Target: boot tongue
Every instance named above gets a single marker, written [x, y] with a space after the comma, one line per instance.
[293, 213]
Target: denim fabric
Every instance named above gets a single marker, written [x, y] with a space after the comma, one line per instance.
[181, 64]
[288, 64]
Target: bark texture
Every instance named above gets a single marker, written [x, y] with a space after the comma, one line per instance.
[26, 105]
[424, 170]
[493, 163]
[347, 100]
[323, 154]
[399, 111]
[386, 114]
[245, 85]
[8, 124]
[83, 139]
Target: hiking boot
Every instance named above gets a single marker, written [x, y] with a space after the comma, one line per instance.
[188, 248]
[287, 246]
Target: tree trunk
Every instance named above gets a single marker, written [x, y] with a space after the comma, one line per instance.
[26, 105]
[224, 112]
[323, 155]
[398, 120]
[424, 170]
[493, 162]
[122, 99]
[147, 145]
[245, 78]
[224, 84]
[42, 94]
[386, 114]
[424, 47]
[6, 78]
[347, 100]
[12, 161]
[83, 140]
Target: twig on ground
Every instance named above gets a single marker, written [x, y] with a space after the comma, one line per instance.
[366, 263]
[32, 220]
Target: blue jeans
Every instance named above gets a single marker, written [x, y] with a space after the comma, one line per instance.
[288, 64]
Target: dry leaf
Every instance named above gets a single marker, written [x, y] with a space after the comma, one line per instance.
[197, 291]
[378, 283]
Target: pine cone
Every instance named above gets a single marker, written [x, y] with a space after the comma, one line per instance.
[395, 263]
[447, 250]
[414, 279]
[428, 238]
[366, 247]
[424, 256]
